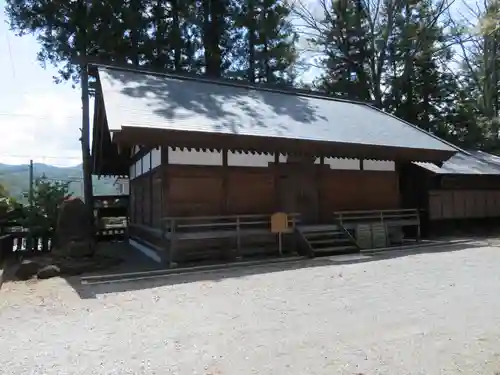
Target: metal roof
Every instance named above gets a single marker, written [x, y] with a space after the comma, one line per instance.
[149, 100]
[467, 163]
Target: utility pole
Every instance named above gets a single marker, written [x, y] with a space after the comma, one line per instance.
[87, 173]
[30, 189]
[29, 243]
[85, 130]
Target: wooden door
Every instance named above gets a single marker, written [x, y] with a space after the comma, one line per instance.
[299, 191]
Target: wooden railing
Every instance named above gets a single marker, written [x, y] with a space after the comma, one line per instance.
[389, 218]
[21, 243]
[218, 227]
[403, 216]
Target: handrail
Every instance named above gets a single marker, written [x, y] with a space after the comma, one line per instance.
[212, 217]
[392, 217]
[379, 215]
[172, 227]
[378, 211]
[223, 220]
[351, 238]
[310, 251]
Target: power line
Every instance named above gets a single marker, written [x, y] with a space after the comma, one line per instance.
[10, 55]
[7, 114]
[40, 156]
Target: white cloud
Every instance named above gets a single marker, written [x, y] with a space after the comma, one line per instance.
[39, 120]
[44, 126]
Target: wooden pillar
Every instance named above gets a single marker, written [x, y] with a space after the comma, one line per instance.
[361, 164]
[277, 187]
[225, 181]
[143, 191]
[165, 184]
[323, 216]
[151, 181]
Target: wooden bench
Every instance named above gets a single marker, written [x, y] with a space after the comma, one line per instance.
[396, 218]
[236, 227]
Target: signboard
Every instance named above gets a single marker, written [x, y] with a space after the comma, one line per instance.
[279, 222]
[364, 236]
[379, 235]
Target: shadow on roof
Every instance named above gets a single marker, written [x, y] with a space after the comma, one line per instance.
[206, 98]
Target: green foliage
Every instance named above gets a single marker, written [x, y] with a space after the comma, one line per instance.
[197, 36]
[47, 198]
[344, 44]
[266, 42]
[412, 58]
[7, 204]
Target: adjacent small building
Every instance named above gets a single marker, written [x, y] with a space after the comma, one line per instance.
[463, 191]
[122, 185]
[199, 147]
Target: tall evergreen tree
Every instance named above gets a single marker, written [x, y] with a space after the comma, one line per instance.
[275, 52]
[346, 50]
[265, 48]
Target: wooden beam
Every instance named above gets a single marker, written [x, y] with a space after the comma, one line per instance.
[276, 171]
[319, 180]
[165, 185]
[150, 136]
[151, 181]
[225, 181]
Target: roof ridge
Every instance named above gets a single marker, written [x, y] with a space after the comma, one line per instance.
[260, 87]
[474, 155]
[228, 82]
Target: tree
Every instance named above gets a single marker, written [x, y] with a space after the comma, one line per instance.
[197, 36]
[342, 38]
[275, 54]
[8, 205]
[48, 196]
[394, 54]
[478, 39]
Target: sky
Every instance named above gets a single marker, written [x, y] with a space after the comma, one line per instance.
[39, 119]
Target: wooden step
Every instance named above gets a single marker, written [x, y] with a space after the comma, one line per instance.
[319, 228]
[327, 239]
[336, 249]
[324, 234]
[319, 241]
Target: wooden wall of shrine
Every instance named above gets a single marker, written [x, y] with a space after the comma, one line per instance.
[464, 197]
[169, 184]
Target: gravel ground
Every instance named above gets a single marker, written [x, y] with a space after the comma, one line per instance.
[436, 313]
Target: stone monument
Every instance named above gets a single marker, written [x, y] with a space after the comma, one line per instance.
[73, 233]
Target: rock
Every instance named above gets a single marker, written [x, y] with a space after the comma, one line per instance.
[49, 271]
[27, 269]
[74, 230]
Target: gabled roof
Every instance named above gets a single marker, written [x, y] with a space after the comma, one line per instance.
[178, 103]
[466, 163]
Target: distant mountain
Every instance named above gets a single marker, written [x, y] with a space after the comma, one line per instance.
[16, 179]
